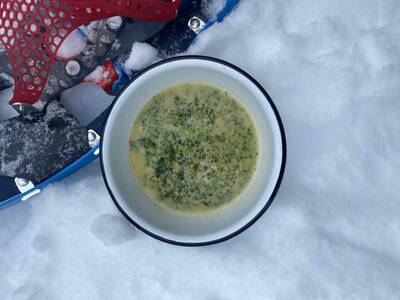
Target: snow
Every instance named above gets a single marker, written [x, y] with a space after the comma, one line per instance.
[77, 41]
[211, 8]
[141, 56]
[333, 232]
[72, 46]
[6, 110]
[97, 75]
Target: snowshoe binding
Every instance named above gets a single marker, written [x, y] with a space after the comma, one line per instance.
[48, 47]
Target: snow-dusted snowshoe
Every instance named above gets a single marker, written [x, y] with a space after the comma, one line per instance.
[41, 142]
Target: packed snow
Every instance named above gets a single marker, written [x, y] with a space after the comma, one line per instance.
[141, 56]
[73, 45]
[333, 231]
[211, 8]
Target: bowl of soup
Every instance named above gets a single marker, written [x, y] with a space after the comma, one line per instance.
[193, 151]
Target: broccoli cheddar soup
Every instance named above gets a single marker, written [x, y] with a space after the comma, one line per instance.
[193, 147]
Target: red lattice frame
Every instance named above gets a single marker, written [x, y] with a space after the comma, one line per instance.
[33, 30]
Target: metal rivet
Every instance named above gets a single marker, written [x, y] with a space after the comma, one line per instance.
[114, 23]
[22, 181]
[194, 23]
[26, 187]
[72, 68]
[23, 108]
[92, 136]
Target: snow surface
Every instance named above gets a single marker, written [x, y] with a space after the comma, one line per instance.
[72, 46]
[333, 232]
[142, 56]
[211, 8]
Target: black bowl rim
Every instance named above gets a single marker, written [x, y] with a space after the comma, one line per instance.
[281, 172]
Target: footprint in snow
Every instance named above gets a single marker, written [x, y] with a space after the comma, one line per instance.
[40, 243]
[112, 230]
[13, 221]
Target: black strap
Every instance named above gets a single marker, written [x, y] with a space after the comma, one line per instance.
[8, 188]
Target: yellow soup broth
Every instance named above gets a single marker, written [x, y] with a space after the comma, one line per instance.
[193, 147]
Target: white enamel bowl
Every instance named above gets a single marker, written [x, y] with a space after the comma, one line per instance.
[193, 229]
